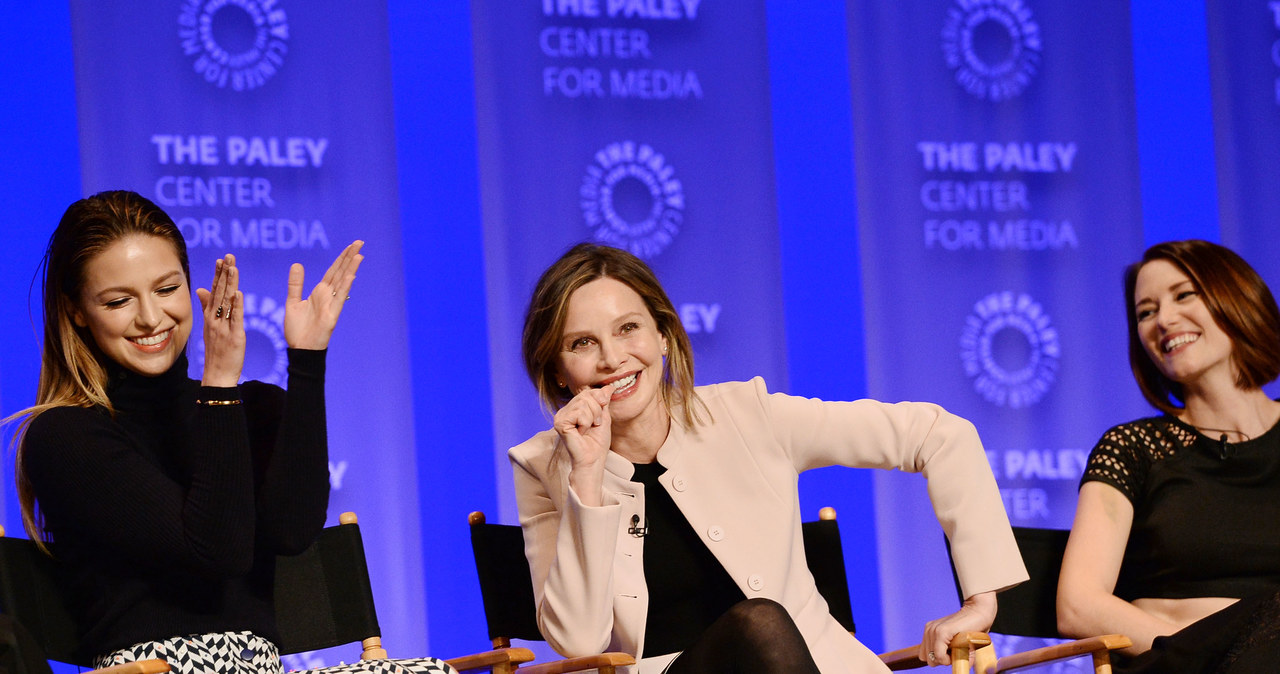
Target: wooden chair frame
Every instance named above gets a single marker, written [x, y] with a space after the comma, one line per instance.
[330, 577]
[824, 554]
[1029, 610]
[834, 583]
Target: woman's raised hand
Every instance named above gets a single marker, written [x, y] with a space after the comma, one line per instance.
[309, 323]
[584, 426]
[223, 307]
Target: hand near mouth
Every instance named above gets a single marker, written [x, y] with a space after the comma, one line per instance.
[223, 309]
[584, 426]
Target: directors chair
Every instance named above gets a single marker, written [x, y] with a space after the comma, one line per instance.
[1030, 609]
[323, 598]
[506, 588]
[32, 595]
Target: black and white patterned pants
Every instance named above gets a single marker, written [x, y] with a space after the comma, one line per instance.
[246, 653]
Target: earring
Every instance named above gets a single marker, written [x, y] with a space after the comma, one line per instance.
[559, 383]
[664, 349]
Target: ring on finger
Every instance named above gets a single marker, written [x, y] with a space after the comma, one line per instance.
[218, 313]
[932, 656]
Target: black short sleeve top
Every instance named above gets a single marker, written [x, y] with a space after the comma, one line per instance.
[1206, 519]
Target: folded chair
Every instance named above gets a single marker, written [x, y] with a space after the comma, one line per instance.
[510, 612]
[825, 556]
[31, 594]
[323, 598]
[506, 588]
[1030, 610]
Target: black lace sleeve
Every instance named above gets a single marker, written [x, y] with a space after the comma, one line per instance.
[1119, 460]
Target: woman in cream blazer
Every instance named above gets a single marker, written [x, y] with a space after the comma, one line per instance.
[615, 364]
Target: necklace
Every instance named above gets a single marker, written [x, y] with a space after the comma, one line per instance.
[1224, 452]
[1244, 437]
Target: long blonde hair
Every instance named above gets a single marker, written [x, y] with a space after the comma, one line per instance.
[72, 373]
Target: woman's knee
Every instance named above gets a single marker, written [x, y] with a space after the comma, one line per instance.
[763, 616]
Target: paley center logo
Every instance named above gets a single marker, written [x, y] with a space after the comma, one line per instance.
[235, 44]
[992, 46]
[632, 199]
[266, 356]
[1009, 348]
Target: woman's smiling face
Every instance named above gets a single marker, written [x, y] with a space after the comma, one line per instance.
[611, 339]
[1175, 327]
[136, 303]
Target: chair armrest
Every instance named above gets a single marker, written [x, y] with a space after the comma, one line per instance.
[605, 662]
[963, 645]
[1093, 645]
[136, 667]
[501, 659]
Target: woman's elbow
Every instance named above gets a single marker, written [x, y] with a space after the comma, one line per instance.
[1071, 614]
[227, 564]
[570, 643]
[291, 535]
[296, 540]
[290, 546]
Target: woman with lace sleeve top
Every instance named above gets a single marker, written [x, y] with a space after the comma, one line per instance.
[1176, 540]
[168, 499]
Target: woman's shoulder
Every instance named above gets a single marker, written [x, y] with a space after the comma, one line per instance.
[65, 419]
[1127, 452]
[542, 445]
[733, 392]
[1148, 438]
[57, 434]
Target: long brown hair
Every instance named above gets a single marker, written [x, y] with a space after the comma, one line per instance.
[545, 318]
[72, 373]
[1237, 299]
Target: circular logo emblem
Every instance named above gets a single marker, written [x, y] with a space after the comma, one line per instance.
[235, 44]
[266, 356]
[632, 199]
[1010, 349]
[992, 46]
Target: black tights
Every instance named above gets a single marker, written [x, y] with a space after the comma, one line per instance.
[1242, 638]
[755, 635]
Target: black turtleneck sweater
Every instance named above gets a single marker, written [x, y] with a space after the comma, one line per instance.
[169, 515]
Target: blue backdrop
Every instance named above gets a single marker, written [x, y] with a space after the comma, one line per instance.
[630, 129]
[443, 241]
[1001, 213]
[1244, 58]
[227, 137]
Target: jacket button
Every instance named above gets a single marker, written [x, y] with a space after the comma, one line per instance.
[679, 484]
[755, 582]
[715, 533]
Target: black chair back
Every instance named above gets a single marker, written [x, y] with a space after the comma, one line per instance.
[507, 589]
[323, 597]
[825, 555]
[1030, 609]
[506, 585]
[31, 592]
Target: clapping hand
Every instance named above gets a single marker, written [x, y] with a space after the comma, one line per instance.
[309, 322]
[223, 308]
